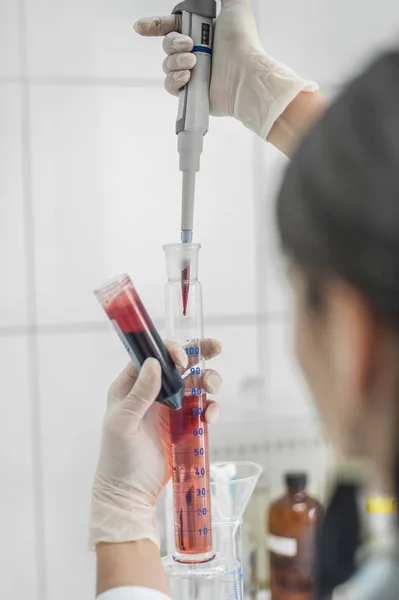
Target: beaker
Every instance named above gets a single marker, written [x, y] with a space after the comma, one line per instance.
[228, 544]
[189, 431]
[221, 578]
[232, 485]
[218, 579]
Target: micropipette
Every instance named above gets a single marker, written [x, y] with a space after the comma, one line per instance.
[197, 21]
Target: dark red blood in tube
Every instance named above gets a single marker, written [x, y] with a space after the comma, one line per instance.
[139, 336]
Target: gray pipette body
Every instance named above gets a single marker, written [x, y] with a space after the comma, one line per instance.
[197, 21]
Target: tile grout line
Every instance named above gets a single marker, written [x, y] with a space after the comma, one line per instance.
[8, 79]
[258, 149]
[115, 82]
[31, 299]
[104, 81]
[102, 327]
[260, 270]
[263, 170]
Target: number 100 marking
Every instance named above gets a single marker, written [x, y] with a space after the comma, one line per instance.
[191, 351]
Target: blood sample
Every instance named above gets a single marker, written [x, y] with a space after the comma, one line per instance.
[139, 336]
[191, 488]
[185, 287]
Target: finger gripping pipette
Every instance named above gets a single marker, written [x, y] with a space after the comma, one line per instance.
[197, 21]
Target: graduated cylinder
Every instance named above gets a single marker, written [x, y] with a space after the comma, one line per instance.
[190, 457]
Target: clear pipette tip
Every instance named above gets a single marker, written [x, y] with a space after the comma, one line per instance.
[186, 236]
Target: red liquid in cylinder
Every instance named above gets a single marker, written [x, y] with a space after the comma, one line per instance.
[191, 488]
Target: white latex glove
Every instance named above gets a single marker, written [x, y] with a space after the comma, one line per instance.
[135, 457]
[247, 83]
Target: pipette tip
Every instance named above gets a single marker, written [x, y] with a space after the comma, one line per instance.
[186, 236]
[185, 287]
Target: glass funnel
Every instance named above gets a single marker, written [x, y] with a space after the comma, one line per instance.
[232, 485]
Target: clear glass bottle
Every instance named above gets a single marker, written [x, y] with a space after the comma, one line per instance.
[190, 455]
[293, 521]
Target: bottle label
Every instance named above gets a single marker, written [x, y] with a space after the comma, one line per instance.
[282, 546]
[291, 566]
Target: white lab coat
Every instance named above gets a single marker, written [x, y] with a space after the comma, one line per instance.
[132, 593]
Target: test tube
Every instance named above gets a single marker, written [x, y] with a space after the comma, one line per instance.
[189, 431]
[139, 336]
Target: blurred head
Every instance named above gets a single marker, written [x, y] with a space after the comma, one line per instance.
[338, 217]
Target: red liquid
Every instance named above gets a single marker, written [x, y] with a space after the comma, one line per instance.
[191, 488]
[142, 341]
[185, 287]
[128, 311]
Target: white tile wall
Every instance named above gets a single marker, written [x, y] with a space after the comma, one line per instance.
[328, 40]
[311, 457]
[239, 367]
[17, 525]
[276, 291]
[225, 220]
[93, 38]
[9, 38]
[72, 407]
[286, 392]
[113, 188]
[13, 300]
[105, 195]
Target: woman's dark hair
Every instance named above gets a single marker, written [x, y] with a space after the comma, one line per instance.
[338, 207]
[338, 215]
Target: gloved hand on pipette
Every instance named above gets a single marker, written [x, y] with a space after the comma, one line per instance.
[247, 83]
[135, 457]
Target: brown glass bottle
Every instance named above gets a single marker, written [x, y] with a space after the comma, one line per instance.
[293, 521]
